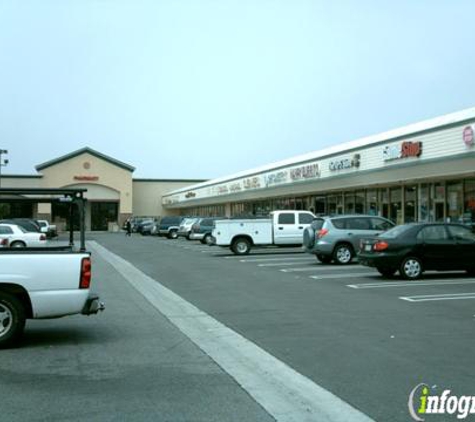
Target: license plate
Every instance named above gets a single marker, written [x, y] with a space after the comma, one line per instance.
[367, 248]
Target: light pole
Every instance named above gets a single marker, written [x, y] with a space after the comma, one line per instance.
[3, 163]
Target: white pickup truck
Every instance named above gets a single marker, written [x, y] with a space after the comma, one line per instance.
[45, 282]
[282, 228]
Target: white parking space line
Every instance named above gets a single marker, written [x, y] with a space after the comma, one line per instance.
[430, 298]
[281, 254]
[279, 264]
[319, 267]
[336, 276]
[285, 394]
[441, 282]
[289, 258]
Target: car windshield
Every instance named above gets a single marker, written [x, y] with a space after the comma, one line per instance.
[396, 231]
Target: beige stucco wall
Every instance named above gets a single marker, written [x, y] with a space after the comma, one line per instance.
[147, 196]
[110, 177]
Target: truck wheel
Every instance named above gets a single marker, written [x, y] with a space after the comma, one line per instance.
[343, 254]
[18, 244]
[207, 239]
[241, 246]
[12, 319]
[173, 234]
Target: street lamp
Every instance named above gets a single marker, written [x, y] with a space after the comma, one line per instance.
[3, 163]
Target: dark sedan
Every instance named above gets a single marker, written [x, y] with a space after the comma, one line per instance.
[412, 249]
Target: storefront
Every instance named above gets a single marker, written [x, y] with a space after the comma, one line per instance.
[112, 194]
[422, 172]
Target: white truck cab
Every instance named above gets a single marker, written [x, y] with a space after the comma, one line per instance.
[282, 228]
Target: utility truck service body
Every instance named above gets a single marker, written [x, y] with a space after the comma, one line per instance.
[282, 228]
[45, 282]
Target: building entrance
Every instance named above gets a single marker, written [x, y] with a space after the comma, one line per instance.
[103, 213]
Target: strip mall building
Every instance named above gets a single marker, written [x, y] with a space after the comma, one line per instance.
[421, 172]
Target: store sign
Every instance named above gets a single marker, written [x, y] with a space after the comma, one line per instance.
[346, 163]
[308, 171]
[277, 178]
[404, 150]
[468, 135]
[87, 178]
[190, 195]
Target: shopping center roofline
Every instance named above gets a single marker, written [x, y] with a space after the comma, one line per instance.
[412, 129]
[88, 150]
[170, 180]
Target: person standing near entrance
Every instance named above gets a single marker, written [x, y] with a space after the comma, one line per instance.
[128, 227]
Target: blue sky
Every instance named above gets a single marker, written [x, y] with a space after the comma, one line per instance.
[206, 88]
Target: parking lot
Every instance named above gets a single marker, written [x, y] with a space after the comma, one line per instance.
[366, 339]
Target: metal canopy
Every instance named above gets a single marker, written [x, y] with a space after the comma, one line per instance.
[71, 197]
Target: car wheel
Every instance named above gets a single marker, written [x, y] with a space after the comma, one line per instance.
[411, 268]
[207, 239]
[386, 272]
[18, 244]
[343, 254]
[173, 234]
[241, 246]
[12, 319]
[324, 259]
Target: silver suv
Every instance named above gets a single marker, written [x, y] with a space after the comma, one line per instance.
[337, 238]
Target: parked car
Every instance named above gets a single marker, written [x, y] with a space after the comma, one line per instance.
[28, 224]
[169, 226]
[412, 249]
[48, 229]
[337, 238]
[283, 227]
[184, 230]
[202, 230]
[148, 226]
[18, 237]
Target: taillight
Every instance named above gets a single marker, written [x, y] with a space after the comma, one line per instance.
[4, 242]
[42, 237]
[380, 246]
[85, 279]
[321, 233]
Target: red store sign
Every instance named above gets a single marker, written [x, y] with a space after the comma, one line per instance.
[87, 178]
[468, 135]
[405, 150]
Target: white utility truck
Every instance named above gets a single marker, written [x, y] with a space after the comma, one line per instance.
[48, 281]
[282, 228]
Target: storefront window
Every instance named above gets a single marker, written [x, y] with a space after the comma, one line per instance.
[410, 204]
[454, 201]
[372, 202]
[320, 205]
[469, 203]
[384, 202]
[349, 203]
[359, 202]
[395, 212]
[439, 201]
[425, 214]
[335, 205]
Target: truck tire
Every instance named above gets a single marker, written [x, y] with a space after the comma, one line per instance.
[173, 234]
[241, 246]
[309, 237]
[12, 319]
[206, 239]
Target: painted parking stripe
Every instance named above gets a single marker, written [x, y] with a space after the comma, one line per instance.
[319, 267]
[440, 282]
[289, 258]
[279, 264]
[285, 394]
[336, 276]
[280, 254]
[429, 298]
